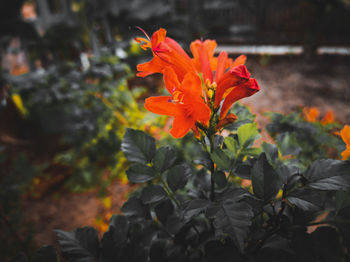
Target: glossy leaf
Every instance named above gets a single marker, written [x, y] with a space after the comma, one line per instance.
[234, 219]
[80, 245]
[221, 159]
[247, 134]
[177, 176]
[135, 207]
[194, 208]
[164, 158]
[265, 180]
[152, 194]
[140, 173]
[138, 146]
[306, 199]
[329, 174]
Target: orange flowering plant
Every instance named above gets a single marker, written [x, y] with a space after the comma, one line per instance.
[201, 89]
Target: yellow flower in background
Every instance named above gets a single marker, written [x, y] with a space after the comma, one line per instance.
[345, 135]
[17, 100]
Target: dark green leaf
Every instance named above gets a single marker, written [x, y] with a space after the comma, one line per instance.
[163, 210]
[288, 144]
[135, 207]
[247, 134]
[220, 179]
[46, 254]
[138, 146]
[152, 194]
[177, 176]
[174, 224]
[329, 174]
[164, 158]
[205, 160]
[265, 179]
[252, 151]
[140, 173]
[271, 152]
[221, 159]
[79, 245]
[234, 219]
[306, 199]
[194, 208]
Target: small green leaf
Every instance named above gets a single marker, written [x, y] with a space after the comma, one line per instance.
[138, 146]
[221, 159]
[231, 145]
[152, 194]
[164, 158]
[252, 151]
[271, 152]
[247, 134]
[177, 176]
[140, 173]
[265, 180]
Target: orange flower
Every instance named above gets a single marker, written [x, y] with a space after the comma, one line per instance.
[185, 104]
[311, 114]
[345, 135]
[328, 118]
[166, 52]
[192, 100]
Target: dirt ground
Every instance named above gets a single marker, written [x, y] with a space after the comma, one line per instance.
[287, 83]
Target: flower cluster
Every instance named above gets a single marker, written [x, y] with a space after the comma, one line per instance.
[202, 89]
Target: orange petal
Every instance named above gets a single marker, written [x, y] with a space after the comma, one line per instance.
[192, 86]
[345, 134]
[221, 66]
[158, 37]
[181, 126]
[328, 118]
[156, 65]
[346, 154]
[202, 53]
[201, 111]
[170, 79]
[233, 77]
[162, 105]
[239, 60]
[244, 90]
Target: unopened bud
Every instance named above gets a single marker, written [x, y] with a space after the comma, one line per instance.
[229, 119]
[210, 93]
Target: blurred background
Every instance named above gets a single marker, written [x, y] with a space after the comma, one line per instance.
[68, 90]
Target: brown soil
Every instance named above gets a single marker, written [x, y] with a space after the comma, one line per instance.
[286, 84]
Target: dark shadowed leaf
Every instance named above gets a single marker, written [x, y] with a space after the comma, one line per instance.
[221, 159]
[164, 158]
[220, 179]
[79, 245]
[306, 199]
[163, 210]
[174, 224]
[234, 220]
[46, 254]
[21, 257]
[329, 174]
[194, 208]
[177, 176]
[152, 194]
[138, 146]
[140, 173]
[135, 207]
[265, 179]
